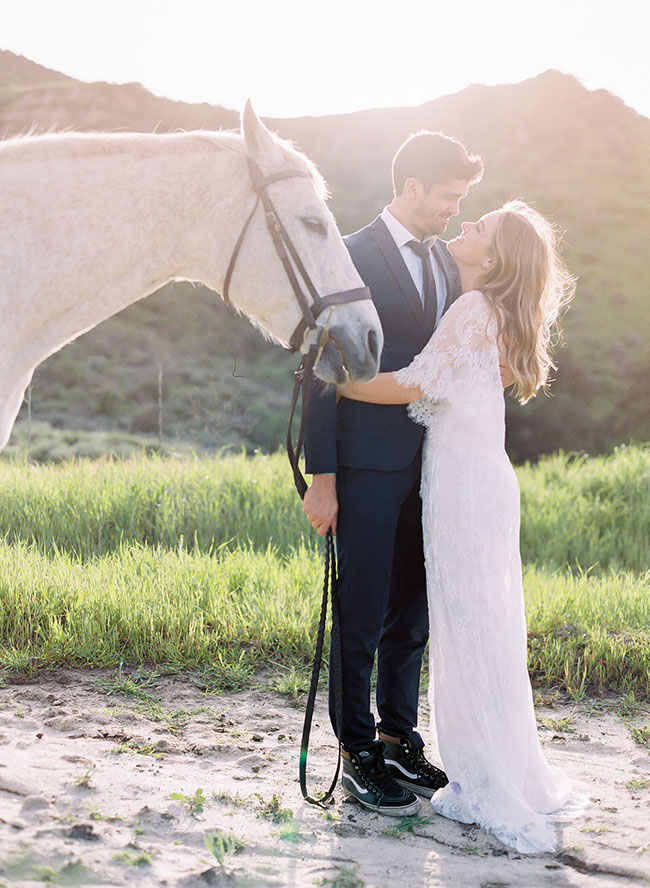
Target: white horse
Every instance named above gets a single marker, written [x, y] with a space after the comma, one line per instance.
[90, 223]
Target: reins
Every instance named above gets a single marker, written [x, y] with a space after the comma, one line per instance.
[303, 340]
[302, 389]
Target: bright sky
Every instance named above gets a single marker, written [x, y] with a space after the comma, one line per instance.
[297, 57]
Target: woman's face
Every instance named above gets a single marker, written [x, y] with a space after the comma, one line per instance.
[473, 247]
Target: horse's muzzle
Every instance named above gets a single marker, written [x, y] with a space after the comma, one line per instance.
[343, 356]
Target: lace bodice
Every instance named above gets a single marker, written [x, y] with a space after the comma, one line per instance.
[458, 372]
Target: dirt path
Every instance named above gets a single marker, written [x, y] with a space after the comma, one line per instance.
[87, 777]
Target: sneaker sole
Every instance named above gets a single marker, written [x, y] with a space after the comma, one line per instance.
[403, 811]
[421, 790]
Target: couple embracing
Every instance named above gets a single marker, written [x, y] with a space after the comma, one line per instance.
[411, 472]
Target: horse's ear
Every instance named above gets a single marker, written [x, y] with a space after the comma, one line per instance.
[260, 144]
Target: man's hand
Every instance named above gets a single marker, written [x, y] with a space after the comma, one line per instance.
[321, 505]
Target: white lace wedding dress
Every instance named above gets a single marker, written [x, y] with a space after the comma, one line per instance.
[481, 694]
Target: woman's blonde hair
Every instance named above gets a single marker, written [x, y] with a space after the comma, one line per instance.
[530, 286]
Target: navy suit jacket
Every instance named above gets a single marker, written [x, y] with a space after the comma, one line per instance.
[377, 436]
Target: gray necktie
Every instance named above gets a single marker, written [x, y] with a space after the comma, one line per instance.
[429, 296]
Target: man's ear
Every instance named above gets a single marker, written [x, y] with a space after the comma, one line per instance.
[258, 140]
[413, 188]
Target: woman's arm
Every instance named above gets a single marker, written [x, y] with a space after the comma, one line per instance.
[383, 389]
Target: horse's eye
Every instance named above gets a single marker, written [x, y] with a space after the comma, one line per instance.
[313, 223]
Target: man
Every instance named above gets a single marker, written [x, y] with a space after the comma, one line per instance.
[365, 460]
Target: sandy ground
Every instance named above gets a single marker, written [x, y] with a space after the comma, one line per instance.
[87, 777]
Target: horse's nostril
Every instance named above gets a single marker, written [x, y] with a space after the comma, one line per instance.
[373, 345]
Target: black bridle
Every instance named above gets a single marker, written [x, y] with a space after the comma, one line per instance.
[291, 261]
[300, 341]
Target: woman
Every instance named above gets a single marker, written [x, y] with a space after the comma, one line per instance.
[514, 287]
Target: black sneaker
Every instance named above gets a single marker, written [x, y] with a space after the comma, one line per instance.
[409, 767]
[366, 779]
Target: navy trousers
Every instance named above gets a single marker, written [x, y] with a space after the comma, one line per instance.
[383, 601]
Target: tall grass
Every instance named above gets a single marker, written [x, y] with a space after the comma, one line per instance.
[587, 513]
[90, 508]
[578, 513]
[211, 563]
[141, 604]
[252, 609]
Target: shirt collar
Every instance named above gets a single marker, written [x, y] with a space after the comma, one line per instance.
[399, 233]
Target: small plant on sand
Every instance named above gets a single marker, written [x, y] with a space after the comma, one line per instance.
[227, 672]
[641, 735]
[130, 746]
[290, 832]
[273, 809]
[222, 845]
[133, 858]
[291, 682]
[83, 780]
[344, 877]
[331, 816]
[560, 725]
[629, 706]
[230, 798]
[406, 827]
[194, 804]
[130, 686]
[636, 783]
[95, 814]
[545, 698]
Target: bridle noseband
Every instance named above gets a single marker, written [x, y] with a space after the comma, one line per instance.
[286, 250]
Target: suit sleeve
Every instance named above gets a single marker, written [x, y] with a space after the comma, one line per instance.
[321, 451]
[320, 430]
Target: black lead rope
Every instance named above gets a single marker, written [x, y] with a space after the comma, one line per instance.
[302, 387]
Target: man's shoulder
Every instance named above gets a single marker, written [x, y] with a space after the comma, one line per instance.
[364, 235]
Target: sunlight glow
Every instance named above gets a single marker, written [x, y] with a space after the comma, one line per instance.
[296, 57]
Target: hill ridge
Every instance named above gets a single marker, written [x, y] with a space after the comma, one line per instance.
[579, 155]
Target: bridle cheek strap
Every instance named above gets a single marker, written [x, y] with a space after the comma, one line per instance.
[291, 261]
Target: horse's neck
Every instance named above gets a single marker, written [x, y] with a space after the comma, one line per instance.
[100, 229]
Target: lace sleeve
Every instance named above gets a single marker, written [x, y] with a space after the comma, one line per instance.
[462, 346]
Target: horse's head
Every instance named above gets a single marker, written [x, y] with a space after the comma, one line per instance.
[260, 285]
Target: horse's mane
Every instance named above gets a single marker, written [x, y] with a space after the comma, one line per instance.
[70, 143]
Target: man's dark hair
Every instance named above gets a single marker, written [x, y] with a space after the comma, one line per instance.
[432, 158]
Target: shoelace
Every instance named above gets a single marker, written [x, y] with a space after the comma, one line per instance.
[417, 760]
[377, 776]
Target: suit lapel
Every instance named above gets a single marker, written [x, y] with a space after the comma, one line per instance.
[384, 240]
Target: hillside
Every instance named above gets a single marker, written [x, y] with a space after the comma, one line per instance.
[580, 156]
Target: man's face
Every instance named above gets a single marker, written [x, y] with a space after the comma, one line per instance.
[433, 209]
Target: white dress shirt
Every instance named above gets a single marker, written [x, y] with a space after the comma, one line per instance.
[402, 236]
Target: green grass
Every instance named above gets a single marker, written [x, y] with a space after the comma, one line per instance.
[144, 605]
[577, 512]
[587, 513]
[89, 508]
[141, 605]
[587, 633]
[208, 564]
